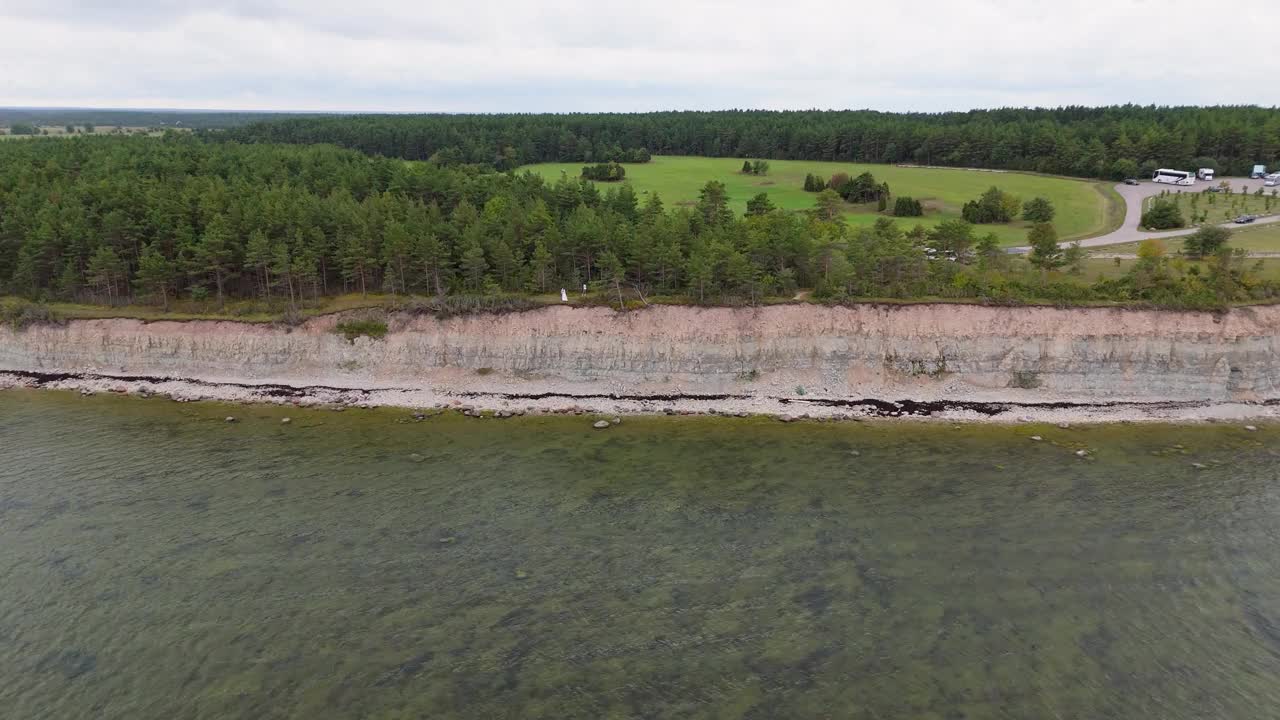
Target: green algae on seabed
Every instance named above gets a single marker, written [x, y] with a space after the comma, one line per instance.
[156, 561]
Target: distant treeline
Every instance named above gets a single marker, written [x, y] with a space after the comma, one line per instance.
[193, 119]
[115, 219]
[1106, 142]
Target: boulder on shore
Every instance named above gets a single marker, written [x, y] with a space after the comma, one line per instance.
[600, 424]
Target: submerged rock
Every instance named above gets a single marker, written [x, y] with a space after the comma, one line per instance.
[229, 419]
[1082, 453]
[415, 457]
[1036, 438]
[1251, 428]
[285, 421]
[617, 421]
[600, 424]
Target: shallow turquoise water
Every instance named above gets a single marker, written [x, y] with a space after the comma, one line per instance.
[156, 562]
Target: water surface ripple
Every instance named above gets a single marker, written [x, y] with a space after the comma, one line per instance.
[158, 562]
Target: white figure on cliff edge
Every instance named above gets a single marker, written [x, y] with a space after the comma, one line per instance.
[564, 296]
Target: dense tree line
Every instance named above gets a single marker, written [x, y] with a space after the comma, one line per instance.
[1114, 142]
[111, 219]
[193, 119]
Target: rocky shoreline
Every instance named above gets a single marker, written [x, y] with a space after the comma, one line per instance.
[500, 405]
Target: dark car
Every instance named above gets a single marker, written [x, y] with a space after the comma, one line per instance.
[1214, 188]
[1244, 219]
[1131, 181]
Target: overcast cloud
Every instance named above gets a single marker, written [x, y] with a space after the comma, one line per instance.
[593, 55]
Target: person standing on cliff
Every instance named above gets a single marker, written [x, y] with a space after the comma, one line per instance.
[564, 296]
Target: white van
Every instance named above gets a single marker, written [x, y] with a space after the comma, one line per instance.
[1205, 173]
[1272, 180]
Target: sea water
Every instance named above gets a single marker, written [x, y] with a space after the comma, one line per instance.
[157, 561]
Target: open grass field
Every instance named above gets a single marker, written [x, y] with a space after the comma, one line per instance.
[1085, 209]
[1095, 268]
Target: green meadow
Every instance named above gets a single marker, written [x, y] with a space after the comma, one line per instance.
[1085, 209]
[1254, 238]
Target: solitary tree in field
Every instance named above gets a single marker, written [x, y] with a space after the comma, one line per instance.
[1163, 215]
[1206, 241]
[1045, 253]
[1038, 210]
[760, 167]
[746, 167]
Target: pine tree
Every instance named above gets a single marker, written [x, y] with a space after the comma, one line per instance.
[474, 266]
[155, 273]
[257, 256]
[215, 254]
[1045, 253]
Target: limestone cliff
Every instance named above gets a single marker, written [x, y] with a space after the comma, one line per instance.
[909, 351]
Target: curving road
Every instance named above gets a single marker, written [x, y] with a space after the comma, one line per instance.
[1134, 195]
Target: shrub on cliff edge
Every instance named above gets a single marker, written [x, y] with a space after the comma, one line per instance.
[368, 327]
[20, 315]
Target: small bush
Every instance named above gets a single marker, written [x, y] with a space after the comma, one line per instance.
[484, 371]
[22, 315]
[292, 318]
[368, 327]
[906, 206]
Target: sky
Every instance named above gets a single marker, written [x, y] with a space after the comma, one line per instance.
[600, 55]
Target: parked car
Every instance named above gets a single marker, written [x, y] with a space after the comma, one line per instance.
[1244, 219]
[1215, 188]
[1131, 181]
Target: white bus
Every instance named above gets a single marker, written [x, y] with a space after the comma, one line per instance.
[1173, 177]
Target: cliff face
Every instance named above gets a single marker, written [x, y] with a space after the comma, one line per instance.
[921, 351]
